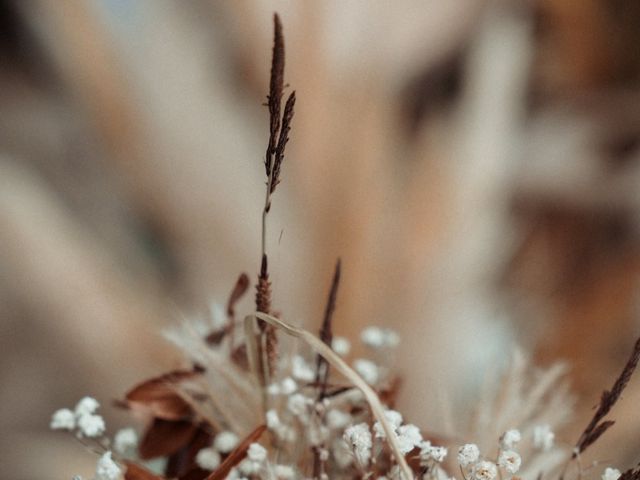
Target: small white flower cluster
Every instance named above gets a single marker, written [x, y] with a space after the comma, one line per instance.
[480, 468]
[611, 474]
[106, 469]
[543, 437]
[341, 345]
[301, 370]
[379, 338]
[286, 387]
[358, 438]
[431, 453]
[367, 370]
[255, 463]
[83, 419]
[125, 441]
[210, 458]
[408, 435]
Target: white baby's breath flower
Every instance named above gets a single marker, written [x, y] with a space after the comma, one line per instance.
[430, 452]
[107, 469]
[272, 420]
[257, 453]
[287, 433]
[543, 437]
[63, 419]
[284, 472]
[341, 345]
[301, 370]
[376, 337]
[298, 404]
[611, 474]
[234, 475]
[125, 441]
[395, 420]
[484, 470]
[288, 386]
[337, 419]
[510, 438]
[372, 337]
[249, 467]
[208, 459]
[317, 434]
[225, 441]
[273, 389]
[77, 477]
[341, 453]
[367, 370]
[358, 438]
[468, 454]
[510, 461]
[86, 406]
[91, 425]
[409, 437]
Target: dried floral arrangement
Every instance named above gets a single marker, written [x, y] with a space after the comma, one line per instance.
[247, 408]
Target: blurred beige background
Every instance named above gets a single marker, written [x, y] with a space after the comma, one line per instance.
[474, 163]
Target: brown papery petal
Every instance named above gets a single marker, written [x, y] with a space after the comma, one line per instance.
[158, 397]
[165, 437]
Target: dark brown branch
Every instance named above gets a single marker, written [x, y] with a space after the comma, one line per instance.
[326, 331]
[322, 367]
[596, 428]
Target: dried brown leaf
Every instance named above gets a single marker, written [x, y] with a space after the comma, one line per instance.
[158, 396]
[165, 437]
[183, 461]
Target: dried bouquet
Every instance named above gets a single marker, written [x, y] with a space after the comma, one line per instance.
[245, 407]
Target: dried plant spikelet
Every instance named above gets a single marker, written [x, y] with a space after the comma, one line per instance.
[596, 428]
[326, 331]
[269, 340]
[276, 88]
[287, 117]
[263, 289]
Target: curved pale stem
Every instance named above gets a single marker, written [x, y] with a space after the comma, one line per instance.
[250, 324]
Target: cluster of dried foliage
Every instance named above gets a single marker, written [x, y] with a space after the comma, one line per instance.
[232, 369]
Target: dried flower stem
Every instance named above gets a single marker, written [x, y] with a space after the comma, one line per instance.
[278, 137]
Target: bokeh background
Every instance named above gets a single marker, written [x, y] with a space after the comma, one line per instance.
[475, 164]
